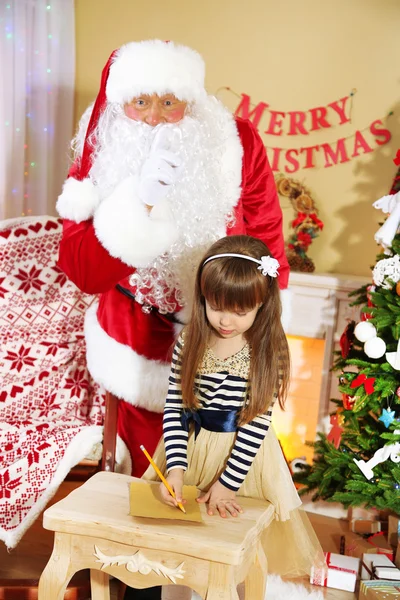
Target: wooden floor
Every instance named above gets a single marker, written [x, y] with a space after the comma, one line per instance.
[30, 556]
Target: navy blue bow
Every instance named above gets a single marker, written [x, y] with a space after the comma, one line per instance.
[189, 416]
[220, 421]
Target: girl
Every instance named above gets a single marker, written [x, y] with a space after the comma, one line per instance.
[229, 365]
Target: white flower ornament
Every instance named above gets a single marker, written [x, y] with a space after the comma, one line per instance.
[269, 266]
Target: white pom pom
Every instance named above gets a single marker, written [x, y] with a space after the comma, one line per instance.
[364, 331]
[375, 347]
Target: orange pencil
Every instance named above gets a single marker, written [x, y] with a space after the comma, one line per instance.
[161, 476]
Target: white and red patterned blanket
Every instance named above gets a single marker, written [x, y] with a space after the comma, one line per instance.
[51, 412]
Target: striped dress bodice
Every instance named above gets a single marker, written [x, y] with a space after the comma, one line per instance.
[220, 385]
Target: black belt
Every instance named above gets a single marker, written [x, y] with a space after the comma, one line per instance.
[148, 308]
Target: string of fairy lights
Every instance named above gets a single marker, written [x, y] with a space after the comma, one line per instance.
[15, 37]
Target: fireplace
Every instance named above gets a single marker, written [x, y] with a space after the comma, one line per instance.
[320, 310]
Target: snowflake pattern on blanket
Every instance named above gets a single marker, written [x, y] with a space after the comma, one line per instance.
[51, 411]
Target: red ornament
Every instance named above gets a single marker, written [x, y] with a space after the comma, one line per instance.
[317, 221]
[367, 316]
[398, 392]
[367, 382]
[299, 219]
[335, 434]
[348, 401]
[347, 339]
[305, 238]
[370, 289]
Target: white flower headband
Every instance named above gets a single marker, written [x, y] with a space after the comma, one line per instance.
[268, 265]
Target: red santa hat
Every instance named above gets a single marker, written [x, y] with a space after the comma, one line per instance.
[147, 67]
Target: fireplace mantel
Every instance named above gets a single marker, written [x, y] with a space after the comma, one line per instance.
[320, 308]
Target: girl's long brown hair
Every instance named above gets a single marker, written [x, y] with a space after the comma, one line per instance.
[237, 285]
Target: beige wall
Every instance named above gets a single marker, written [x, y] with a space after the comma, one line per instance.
[294, 55]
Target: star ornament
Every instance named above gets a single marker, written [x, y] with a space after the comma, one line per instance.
[387, 417]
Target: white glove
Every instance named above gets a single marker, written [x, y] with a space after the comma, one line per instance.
[159, 171]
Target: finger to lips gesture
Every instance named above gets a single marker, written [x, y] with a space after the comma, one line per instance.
[159, 171]
[166, 162]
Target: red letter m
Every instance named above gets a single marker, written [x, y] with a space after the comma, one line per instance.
[243, 110]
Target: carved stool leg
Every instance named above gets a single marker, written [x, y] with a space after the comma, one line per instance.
[58, 571]
[100, 585]
[221, 583]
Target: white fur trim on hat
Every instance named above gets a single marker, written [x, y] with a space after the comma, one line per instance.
[128, 231]
[156, 67]
[123, 372]
[78, 200]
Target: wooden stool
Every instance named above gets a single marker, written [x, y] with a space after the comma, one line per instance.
[93, 530]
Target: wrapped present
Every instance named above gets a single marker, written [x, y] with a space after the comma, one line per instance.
[381, 545]
[379, 590]
[355, 545]
[397, 557]
[385, 572]
[393, 530]
[340, 572]
[365, 526]
[371, 562]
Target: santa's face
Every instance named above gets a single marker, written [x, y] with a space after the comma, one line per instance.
[155, 109]
[198, 201]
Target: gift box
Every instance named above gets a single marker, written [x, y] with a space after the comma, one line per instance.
[340, 572]
[379, 590]
[355, 545]
[371, 562]
[381, 545]
[397, 557]
[392, 573]
[365, 526]
[393, 531]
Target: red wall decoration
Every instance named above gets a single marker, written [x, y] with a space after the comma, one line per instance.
[302, 123]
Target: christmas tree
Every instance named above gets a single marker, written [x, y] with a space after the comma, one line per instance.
[358, 462]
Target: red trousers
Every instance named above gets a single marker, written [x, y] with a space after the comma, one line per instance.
[138, 426]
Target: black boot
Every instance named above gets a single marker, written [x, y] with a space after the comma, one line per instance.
[153, 593]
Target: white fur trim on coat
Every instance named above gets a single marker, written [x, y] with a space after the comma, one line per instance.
[156, 67]
[78, 200]
[128, 231]
[232, 157]
[123, 372]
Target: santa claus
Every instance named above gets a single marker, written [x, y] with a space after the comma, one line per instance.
[161, 171]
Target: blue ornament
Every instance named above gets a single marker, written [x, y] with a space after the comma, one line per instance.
[387, 417]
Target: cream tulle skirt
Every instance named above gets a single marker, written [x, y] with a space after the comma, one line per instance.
[290, 543]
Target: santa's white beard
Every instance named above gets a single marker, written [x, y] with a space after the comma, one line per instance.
[197, 200]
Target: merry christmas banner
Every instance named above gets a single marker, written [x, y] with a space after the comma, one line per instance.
[280, 124]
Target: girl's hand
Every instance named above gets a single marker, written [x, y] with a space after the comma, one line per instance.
[175, 480]
[221, 499]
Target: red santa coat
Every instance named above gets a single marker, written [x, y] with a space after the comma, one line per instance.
[128, 350]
